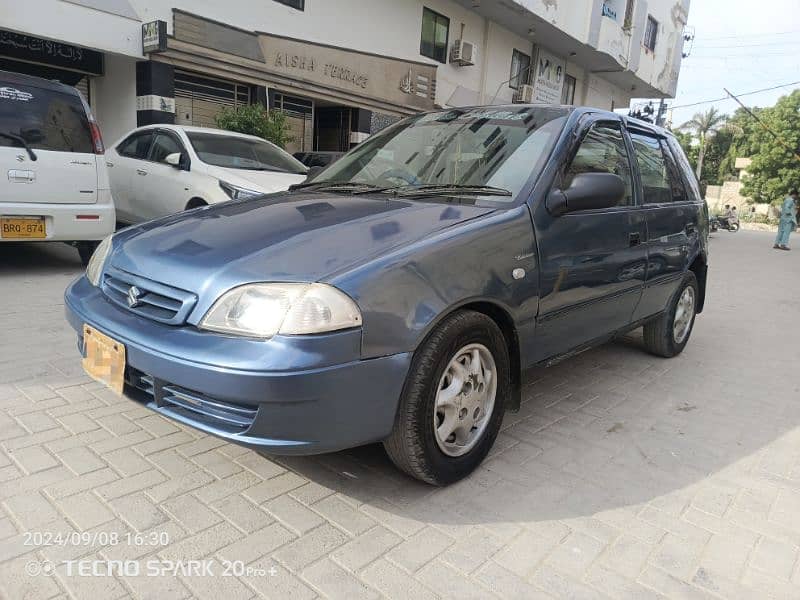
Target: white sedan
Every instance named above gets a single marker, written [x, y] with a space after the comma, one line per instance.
[158, 170]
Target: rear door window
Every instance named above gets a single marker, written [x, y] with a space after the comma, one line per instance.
[675, 179]
[656, 184]
[164, 145]
[45, 119]
[603, 151]
[136, 145]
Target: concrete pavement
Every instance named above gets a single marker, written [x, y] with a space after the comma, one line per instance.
[624, 475]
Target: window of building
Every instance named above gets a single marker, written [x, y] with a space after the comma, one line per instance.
[656, 184]
[603, 151]
[629, 14]
[435, 32]
[298, 4]
[650, 34]
[568, 91]
[520, 69]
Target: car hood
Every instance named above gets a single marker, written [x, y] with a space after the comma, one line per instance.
[286, 237]
[267, 182]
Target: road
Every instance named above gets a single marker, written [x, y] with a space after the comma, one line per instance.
[623, 476]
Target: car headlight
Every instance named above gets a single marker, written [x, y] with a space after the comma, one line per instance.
[95, 266]
[263, 310]
[237, 193]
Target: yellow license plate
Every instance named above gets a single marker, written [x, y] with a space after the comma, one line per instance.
[24, 228]
[104, 359]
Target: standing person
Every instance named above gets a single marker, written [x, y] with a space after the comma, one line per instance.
[788, 221]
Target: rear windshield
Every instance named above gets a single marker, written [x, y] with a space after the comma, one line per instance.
[243, 153]
[45, 119]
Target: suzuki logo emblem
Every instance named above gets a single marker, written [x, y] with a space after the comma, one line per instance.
[134, 295]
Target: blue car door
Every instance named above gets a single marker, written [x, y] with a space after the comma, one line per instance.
[592, 263]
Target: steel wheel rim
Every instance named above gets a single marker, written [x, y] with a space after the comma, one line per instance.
[465, 400]
[684, 312]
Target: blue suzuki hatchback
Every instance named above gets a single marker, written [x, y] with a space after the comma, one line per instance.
[400, 294]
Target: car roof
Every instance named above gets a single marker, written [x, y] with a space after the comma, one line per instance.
[578, 110]
[196, 129]
[12, 78]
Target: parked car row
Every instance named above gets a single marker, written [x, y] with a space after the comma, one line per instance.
[63, 185]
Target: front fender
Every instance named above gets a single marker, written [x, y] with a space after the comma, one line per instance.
[404, 294]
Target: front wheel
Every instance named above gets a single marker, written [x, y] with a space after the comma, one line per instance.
[667, 334]
[733, 227]
[453, 400]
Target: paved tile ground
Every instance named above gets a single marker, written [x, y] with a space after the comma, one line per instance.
[623, 476]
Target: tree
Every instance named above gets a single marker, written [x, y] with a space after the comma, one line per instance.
[256, 120]
[775, 169]
[704, 126]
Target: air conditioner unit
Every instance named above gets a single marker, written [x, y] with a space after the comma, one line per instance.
[523, 94]
[463, 53]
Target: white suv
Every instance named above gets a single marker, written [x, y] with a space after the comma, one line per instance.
[157, 170]
[55, 186]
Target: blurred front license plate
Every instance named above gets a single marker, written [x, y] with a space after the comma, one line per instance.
[104, 358]
[25, 228]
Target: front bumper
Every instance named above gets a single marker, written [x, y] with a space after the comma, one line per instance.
[65, 222]
[287, 395]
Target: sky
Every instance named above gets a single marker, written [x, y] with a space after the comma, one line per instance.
[743, 45]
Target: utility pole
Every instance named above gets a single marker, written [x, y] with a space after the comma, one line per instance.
[661, 108]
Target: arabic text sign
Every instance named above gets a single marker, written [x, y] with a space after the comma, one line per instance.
[29, 48]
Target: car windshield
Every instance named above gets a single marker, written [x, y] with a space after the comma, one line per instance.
[234, 152]
[460, 151]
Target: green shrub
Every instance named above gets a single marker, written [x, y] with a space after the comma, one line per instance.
[256, 120]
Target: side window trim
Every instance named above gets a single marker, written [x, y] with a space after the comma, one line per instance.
[131, 137]
[588, 126]
[674, 170]
[644, 132]
[168, 133]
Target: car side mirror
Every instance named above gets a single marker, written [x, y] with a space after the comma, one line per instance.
[178, 160]
[586, 192]
[313, 172]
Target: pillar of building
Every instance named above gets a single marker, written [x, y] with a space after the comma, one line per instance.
[155, 93]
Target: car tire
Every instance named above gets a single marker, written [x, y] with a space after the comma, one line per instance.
[665, 336]
[85, 251]
[415, 445]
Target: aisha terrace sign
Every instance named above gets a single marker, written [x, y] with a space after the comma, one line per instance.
[285, 60]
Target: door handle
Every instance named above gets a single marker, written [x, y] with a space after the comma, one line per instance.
[691, 228]
[141, 171]
[109, 164]
[634, 239]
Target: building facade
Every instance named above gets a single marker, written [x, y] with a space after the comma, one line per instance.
[342, 69]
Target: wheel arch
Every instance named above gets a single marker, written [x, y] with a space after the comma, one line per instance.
[195, 202]
[505, 322]
[699, 267]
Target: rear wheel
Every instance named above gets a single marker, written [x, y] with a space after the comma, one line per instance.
[85, 251]
[668, 333]
[453, 400]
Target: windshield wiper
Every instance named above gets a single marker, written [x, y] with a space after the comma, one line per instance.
[21, 140]
[452, 189]
[350, 187]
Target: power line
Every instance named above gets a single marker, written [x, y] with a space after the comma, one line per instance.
[769, 89]
[718, 47]
[731, 37]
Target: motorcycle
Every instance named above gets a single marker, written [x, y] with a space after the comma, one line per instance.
[722, 222]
